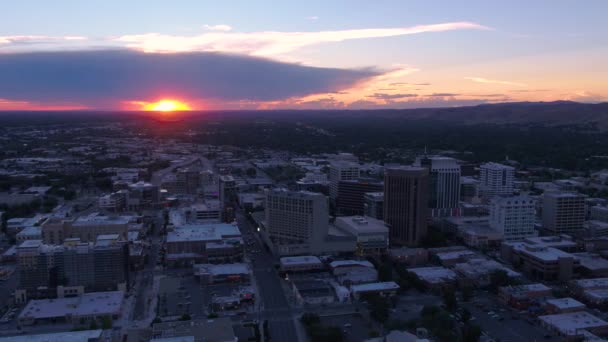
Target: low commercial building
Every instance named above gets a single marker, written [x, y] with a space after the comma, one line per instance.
[313, 292]
[435, 277]
[79, 311]
[96, 335]
[478, 271]
[592, 265]
[29, 233]
[305, 263]
[354, 271]
[539, 262]
[480, 236]
[208, 212]
[571, 325]
[522, 296]
[202, 243]
[87, 228]
[388, 288]
[409, 256]
[208, 330]
[371, 234]
[592, 291]
[222, 273]
[563, 305]
[450, 256]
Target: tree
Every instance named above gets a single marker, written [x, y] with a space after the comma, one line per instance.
[251, 172]
[185, 317]
[310, 318]
[378, 308]
[471, 332]
[385, 272]
[449, 299]
[467, 293]
[499, 278]
[465, 315]
[106, 323]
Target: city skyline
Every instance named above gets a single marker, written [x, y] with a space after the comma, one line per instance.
[337, 55]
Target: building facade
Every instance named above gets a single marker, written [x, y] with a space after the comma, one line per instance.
[563, 212]
[514, 216]
[496, 179]
[444, 185]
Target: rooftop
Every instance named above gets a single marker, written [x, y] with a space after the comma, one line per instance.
[221, 269]
[84, 336]
[565, 303]
[300, 260]
[595, 283]
[89, 304]
[568, 324]
[203, 232]
[383, 286]
[345, 263]
[361, 225]
[433, 275]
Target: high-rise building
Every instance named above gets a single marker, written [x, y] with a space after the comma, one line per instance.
[340, 171]
[296, 218]
[563, 212]
[405, 203]
[351, 192]
[444, 185]
[514, 216]
[495, 179]
[373, 204]
[227, 189]
[99, 266]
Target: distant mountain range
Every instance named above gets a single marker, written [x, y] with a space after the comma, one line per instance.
[544, 113]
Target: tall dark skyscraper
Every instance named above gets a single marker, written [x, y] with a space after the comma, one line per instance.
[405, 203]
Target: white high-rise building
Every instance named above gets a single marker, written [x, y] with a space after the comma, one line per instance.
[444, 185]
[339, 171]
[296, 220]
[496, 179]
[514, 216]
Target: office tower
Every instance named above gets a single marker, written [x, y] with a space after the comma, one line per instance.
[339, 171]
[95, 267]
[444, 185]
[143, 196]
[405, 203]
[563, 212]
[188, 180]
[351, 192]
[514, 216]
[227, 189]
[296, 218]
[495, 179]
[373, 204]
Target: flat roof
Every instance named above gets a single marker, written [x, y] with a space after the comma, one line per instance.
[300, 260]
[203, 232]
[343, 263]
[540, 252]
[82, 336]
[433, 275]
[565, 303]
[480, 266]
[96, 218]
[593, 283]
[89, 304]
[222, 269]
[592, 261]
[528, 287]
[361, 224]
[568, 324]
[598, 294]
[383, 286]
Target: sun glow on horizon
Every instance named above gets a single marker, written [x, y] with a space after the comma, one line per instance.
[166, 106]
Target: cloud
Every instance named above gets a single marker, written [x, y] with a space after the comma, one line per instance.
[270, 43]
[383, 96]
[100, 79]
[36, 39]
[442, 95]
[312, 18]
[221, 27]
[487, 81]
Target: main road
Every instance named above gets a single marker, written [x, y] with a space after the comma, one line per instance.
[276, 308]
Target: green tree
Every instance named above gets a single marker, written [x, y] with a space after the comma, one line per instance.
[185, 317]
[467, 293]
[449, 299]
[310, 318]
[251, 172]
[471, 332]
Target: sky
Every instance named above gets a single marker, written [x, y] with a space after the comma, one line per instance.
[351, 54]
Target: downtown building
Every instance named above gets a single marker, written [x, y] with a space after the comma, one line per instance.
[72, 268]
[351, 193]
[513, 216]
[563, 212]
[405, 203]
[297, 223]
[341, 171]
[495, 179]
[444, 185]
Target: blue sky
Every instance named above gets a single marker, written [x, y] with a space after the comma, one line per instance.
[554, 50]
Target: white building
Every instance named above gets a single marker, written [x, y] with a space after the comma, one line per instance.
[372, 235]
[208, 212]
[339, 171]
[496, 179]
[513, 216]
[563, 212]
[444, 185]
[296, 221]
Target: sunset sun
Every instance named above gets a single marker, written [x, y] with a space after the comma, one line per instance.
[166, 106]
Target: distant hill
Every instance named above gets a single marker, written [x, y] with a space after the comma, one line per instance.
[545, 113]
